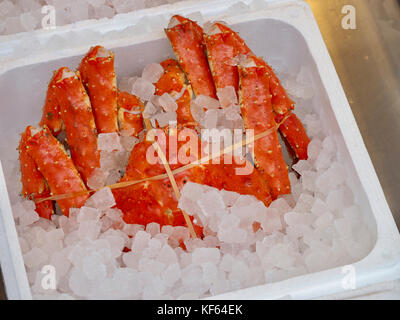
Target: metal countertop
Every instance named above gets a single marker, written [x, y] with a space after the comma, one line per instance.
[367, 60]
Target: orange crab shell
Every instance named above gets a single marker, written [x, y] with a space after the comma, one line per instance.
[255, 101]
[33, 184]
[173, 80]
[98, 75]
[77, 116]
[222, 48]
[57, 168]
[189, 48]
[129, 113]
[51, 116]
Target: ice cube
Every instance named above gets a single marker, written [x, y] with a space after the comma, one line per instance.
[167, 255]
[80, 284]
[314, 148]
[152, 72]
[94, 268]
[227, 96]
[339, 199]
[89, 229]
[131, 259]
[324, 220]
[97, 179]
[207, 102]
[171, 274]
[330, 179]
[35, 257]
[128, 142]
[140, 241]
[210, 119]
[109, 142]
[167, 103]
[28, 218]
[166, 118]
[211, 203]
[143, 89]
[150, 265]
[102, 199]
[153, 228]
[197, 111]
[229, 197]
[88, 214]
[150, 110]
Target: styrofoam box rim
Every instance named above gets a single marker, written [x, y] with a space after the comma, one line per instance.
[381, 264]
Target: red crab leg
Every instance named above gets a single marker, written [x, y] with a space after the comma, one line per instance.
[222, 48]
[255, 101]
[98, 75]
[77, 116]
[295, 134]
[129, 113]
[33, 184]
[51, 116]
[173, 81]
[56, 167]
[187, 42]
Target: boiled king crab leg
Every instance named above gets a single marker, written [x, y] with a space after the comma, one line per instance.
[186, 38]
[33, 184]
[77, 116]
[130, 117]
[57, 168]
[173, 82]
[224, 46]
[98, 75]
[51, 116]
[256, 106]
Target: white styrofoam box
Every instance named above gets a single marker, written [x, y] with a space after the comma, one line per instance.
[284, 32]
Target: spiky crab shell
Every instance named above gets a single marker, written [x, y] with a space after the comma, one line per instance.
[34, 185]
[129, 113]
[255, 102]
[223, 48]
[189, 48]
[57, 168]
[51, 116]
[98, 75]
[77, 116]
[173, 82]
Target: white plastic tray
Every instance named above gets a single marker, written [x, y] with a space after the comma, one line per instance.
[284, 31]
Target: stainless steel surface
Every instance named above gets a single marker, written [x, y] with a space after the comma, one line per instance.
[367, 60]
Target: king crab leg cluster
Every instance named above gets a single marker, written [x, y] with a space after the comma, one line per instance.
[87, 102]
